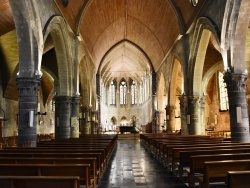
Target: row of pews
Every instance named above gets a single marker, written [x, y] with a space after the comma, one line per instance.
[71, 163]
[202, 161]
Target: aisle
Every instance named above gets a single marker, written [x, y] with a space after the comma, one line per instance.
[133, 167]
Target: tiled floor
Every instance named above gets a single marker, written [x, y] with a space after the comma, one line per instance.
[133, 167]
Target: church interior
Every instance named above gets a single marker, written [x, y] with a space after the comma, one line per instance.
[118, 74]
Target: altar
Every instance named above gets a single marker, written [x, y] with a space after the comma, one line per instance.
[124, 129]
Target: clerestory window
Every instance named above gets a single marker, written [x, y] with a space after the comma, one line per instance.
[112, 97]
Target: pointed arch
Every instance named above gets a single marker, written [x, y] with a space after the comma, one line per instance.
[56, 27]
[204, 30]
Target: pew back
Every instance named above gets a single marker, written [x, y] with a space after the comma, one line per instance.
[237, 179]
[39, 181]
[80, 170]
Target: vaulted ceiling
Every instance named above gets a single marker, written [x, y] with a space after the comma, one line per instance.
[125, 38]
[147, 28]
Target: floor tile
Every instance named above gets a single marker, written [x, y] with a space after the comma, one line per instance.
[131, 166]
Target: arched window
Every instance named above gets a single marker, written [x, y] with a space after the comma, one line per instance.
[222, 93]
[141, 94]
[133, 93]
[123, 89]
[112, 97]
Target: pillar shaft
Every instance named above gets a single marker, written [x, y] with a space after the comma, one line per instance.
[183, 107]
[202, 114]
[85, 125]
[239, 120]
[27, 104]
[62, 116]
[74, 132]
[194, 109]
[170, 111]
[94, 122]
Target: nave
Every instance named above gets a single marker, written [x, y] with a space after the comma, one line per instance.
[132, 166]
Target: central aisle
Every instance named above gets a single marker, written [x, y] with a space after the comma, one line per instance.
[132, 167]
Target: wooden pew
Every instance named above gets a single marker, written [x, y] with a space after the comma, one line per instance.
[176, 151]
[155, 143]
[80, 170]
[91, 161]
[169, 149]
[237, 179]
[99, 169]
[216, 171]
[103, 158]
[164, 146]
[197, 163]
[39, 181]
[185, 155]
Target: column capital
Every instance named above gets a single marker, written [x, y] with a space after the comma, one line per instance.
[28, 86]
[235, 81]
[170, 108]
[183, 101]
[62, 99]
[194, 100]
[75, 99]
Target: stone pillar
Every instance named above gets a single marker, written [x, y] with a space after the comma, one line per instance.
[98, 93]
[93, 122]
[62, 116]
[85, 126]
[170, 112]
[154, 101]
[183, 108]
[27, 104]
[157, 121]
[239, 120]
[202, 114]
[74, 131]
[194, 109]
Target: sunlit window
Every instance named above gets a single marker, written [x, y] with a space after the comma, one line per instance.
[112, 97]
[141, 95]
[123, 89]
[133, 93]
[223, 93]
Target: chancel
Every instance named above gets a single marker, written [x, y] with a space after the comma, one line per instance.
[123, 86]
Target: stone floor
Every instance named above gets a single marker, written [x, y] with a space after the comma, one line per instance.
[133, 167]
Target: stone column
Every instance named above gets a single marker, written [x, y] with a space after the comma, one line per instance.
[74, 132]
[93, 122]
[239, 120]
[62, 116]
[85, 126]
[154, 101]
[202, 113]
[27, 104]
[98, 93]
[194, 109]
[183, 108]
[170, 112]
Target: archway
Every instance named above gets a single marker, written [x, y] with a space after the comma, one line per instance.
[176, 89]
[161, 103]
